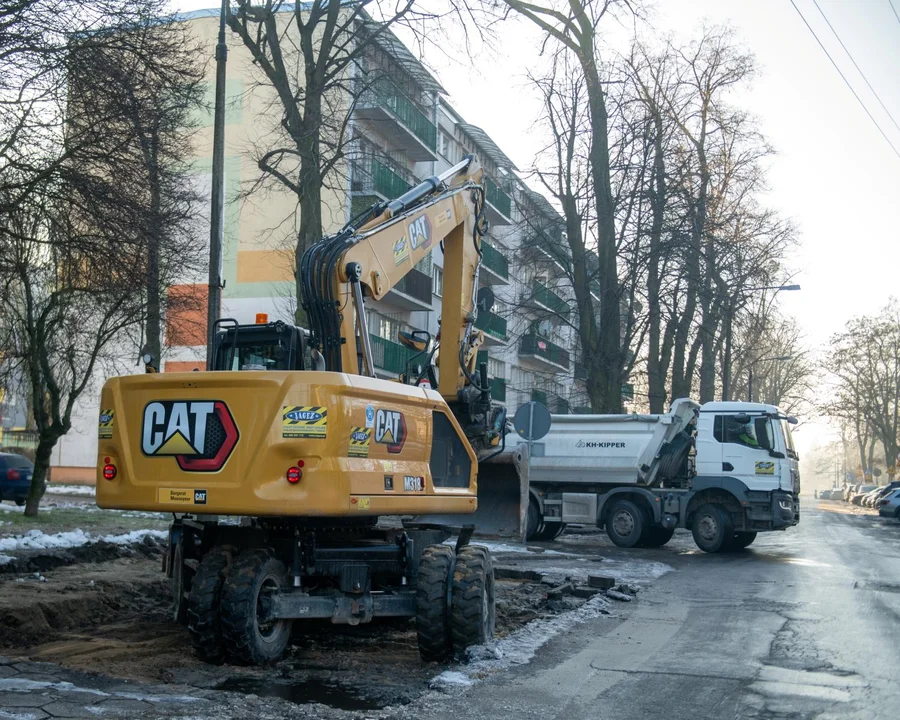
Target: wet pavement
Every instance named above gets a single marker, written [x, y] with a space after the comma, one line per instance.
[804, 624]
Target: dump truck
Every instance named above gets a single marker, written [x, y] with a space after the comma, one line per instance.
[724, 470]
[278, 460]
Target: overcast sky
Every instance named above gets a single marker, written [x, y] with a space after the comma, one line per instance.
[834, 174]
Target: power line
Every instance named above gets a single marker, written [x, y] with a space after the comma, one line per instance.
[891, 3]
[859, 70]
[846, 82]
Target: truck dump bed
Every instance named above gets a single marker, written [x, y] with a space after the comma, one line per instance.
[615, 449]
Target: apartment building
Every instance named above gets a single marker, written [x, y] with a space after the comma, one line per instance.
[403, 129]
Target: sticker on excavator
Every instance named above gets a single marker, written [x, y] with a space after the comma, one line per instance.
[105, 426]
[360, 438]
[303, 421]
[401, 251]
[180, 496]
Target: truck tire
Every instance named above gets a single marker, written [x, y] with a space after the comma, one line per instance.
[534, 523]
[657, 537]
[625, 523]
[432, 616]
[247, 639]
[742, 540]
[204, 622]
[550, 531]
[472, 613]
[713, 528]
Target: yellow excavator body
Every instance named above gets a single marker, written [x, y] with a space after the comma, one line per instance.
[272, 443]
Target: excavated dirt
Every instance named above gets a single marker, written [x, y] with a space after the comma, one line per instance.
[105, 609]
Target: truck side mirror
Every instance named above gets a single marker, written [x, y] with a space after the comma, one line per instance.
[776, 454]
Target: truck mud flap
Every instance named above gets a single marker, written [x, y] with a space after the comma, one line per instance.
[502, 497]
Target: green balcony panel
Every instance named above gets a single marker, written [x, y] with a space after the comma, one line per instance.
[539, 396]
[550, 299]
[491, 324]
[497, 198]
[387, 182]
[498, 389]
[389, 96]
[533, 344]
[494, 260]
[390, 356]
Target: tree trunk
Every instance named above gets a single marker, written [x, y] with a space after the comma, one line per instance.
[656, 369]
[45, 447]
[153, 329]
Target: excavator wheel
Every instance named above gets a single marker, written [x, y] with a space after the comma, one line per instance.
[180, 584]
[249, 638]
[472, 613]
[203, 604]
[432, 626]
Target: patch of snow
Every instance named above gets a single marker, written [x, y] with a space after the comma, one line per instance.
[633, 572]
[519, 647]
[6, 559]
[499, 548]
[85, 490]
[20, 685]
[19, 716]
[38, 540]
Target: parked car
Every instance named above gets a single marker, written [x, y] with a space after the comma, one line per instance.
[833, 494]
[15, 477]
[869, 498]
[884, 492]
[862, 490]
[825, 495]
[889, 505]
[850, 491]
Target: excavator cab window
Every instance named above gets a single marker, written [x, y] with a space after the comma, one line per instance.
[273, 346]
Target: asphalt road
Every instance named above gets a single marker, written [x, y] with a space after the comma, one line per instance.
[804, 624]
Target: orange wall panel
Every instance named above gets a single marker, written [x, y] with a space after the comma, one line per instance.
[186, 315]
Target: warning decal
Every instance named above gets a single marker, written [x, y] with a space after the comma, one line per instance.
[303, 421]
[360, 438]
[105, 426]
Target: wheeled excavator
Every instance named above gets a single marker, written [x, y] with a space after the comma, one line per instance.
[278, 460]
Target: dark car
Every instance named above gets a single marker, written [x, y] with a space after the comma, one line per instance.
[861, 491]
[15, 477]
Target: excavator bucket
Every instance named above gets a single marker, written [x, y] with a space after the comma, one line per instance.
[502, 496]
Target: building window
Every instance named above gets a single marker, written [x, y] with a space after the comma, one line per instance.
[447, 147]
[437, 281]
[496, 368]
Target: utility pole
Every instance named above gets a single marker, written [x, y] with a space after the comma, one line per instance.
[217, 209]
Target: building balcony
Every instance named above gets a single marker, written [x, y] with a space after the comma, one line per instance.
[413, 292]
[499, 204]
[539, 396]
[542, 354]
[399, 119]
[494, 328]
[496, 265]
[543, 298]
[390, 357]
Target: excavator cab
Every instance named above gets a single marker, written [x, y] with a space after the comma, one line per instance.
[420, 369]
[261, 346]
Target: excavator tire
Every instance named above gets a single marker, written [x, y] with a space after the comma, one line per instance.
[179, 585]
[248, 640]
[203, 604]
[472, 613]
[432, 628]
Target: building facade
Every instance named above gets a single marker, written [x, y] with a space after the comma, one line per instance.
[402, 129]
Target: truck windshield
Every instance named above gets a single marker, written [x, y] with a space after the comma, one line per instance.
[788, 439]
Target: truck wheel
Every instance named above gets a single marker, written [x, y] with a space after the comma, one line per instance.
[472, 613]
[713, 528]
[657, 537]
[203, 604]
[248, 639]
[550, 531]
[625, 523]
[533, 521]
[742, 540]
[432, 626]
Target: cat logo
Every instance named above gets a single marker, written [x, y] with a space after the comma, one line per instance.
[420, 233]
[200, 435]
[390, 430]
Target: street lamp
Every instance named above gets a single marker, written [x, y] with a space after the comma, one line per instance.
[726, 371]
[750, 371]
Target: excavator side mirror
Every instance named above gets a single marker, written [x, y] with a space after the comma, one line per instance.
[418, 340]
